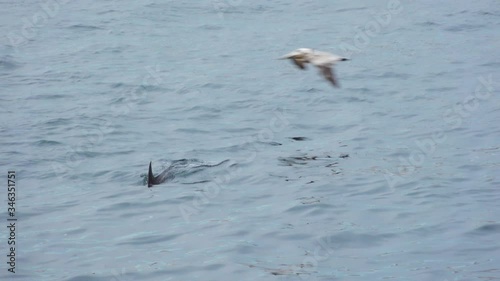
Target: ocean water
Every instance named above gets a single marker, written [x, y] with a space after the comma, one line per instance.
[276, 174]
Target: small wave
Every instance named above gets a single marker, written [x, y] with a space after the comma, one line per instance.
[488, 13]
[351, 9]
[428, 23]
[150, 239]
[212, 86]
[391, 74]
[492, 64]
[47, 97]
[107, 12]
[311, 90]
[210, 27]
[441, 89]
[464, 27]
[117, 85]
[47, 143]
[84, 27]
[59, 121]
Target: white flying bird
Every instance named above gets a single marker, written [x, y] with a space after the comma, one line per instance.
[323, 60]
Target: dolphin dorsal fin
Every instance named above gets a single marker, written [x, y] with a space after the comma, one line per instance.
[151, 177]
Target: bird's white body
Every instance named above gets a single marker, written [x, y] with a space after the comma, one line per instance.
[323, 60]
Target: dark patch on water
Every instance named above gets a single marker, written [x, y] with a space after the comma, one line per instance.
[298, 138]
[7, 63]
[487, 229]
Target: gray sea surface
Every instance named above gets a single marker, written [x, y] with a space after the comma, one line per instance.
[276, 175]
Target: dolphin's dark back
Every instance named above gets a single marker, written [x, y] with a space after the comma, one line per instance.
[161, 178]
[151, 177]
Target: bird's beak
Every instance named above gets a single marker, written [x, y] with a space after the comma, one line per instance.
[289, 55]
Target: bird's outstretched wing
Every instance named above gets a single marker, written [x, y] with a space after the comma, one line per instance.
[300, 63]
[328, 74]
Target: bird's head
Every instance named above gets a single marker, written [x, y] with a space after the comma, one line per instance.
[304, 50]
[297, 53]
